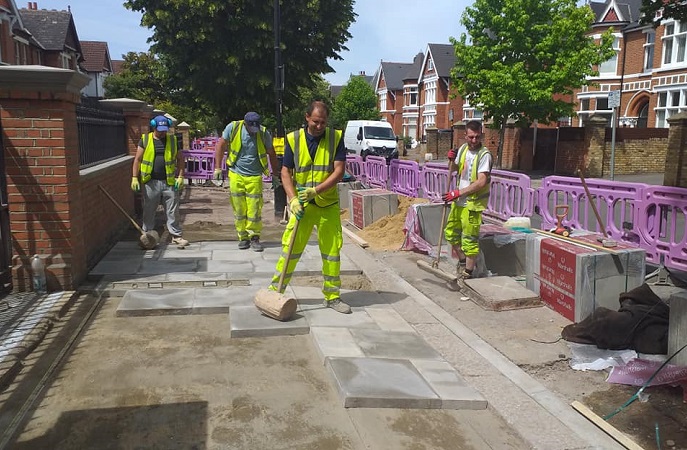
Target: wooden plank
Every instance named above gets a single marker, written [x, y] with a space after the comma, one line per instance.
[605, 426]
[357, 239]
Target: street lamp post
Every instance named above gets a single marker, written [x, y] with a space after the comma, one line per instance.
[279, 193]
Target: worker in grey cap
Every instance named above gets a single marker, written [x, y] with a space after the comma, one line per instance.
[250, 146]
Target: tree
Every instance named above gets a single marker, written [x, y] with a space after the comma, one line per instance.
[222, 51]
[520, 58]
[669, 9]
[294, 115]
[356, 101]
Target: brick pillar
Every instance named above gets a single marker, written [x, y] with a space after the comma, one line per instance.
[38, 113]
[511, 145]
[676, 156]
[595, 137]
[184, 128]
[432, 141]
[458, 133]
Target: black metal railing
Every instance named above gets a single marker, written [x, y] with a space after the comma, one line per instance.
[102, 132]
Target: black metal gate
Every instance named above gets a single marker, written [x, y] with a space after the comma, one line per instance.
[5, 237]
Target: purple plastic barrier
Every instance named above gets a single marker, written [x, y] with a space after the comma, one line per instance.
[356, 167]
[511, 195]
[615, 201]
[661, 225]
[376, 172]
[404, 177]
[198, 164]
[434, 180]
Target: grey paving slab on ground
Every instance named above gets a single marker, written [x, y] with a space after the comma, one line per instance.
[247, 321]
[501, 293]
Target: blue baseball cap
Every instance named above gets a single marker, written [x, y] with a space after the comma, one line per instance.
[161, 123]
[252, 122]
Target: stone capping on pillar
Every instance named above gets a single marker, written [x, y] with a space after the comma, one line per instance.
[41, 79]
[129, 105]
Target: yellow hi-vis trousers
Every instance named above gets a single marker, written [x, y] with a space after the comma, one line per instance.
[330, 239]
[246, 201]
[462, 228]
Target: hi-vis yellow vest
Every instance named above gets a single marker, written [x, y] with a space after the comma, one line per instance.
[235, 146]
[479, 200]
[149, 157]
[309, 172]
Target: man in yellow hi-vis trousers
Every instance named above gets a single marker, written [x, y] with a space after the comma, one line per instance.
[314, 162]
[250, 146]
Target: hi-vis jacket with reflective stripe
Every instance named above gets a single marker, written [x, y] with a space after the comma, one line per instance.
[149, 157]
[309, 173]
[236, 142]
[479, 200]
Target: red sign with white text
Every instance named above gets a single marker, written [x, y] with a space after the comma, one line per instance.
[557, 266]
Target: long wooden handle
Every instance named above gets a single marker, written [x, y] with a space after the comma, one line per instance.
[593, 203]
[288, 256]
[137, 226]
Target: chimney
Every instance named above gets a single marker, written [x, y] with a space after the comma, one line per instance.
[362, 73]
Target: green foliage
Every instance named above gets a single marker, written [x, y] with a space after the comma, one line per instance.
[356, 101]
[519, 56]
[222, 51]
[672, 9]
[294, 114]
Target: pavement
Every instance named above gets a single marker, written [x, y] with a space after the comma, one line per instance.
[398, 349]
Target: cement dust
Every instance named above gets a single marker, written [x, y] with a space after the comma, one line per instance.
[387, 233]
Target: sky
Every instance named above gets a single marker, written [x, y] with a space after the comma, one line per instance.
[388, 30]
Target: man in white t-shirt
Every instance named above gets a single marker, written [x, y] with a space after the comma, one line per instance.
[473, 163]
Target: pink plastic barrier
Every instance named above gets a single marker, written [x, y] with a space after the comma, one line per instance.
[404, 177]
[376, 172]
[356, 167]
[434, 180]
[511, 195]
[661, 225]
[206, 143]
[199, 164]
[615, 201]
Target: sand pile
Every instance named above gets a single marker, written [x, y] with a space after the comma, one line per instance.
[387, 232]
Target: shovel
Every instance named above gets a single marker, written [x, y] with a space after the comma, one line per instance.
[148, 239]
[272, 303]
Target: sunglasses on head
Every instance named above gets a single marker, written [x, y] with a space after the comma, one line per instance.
[253, 123]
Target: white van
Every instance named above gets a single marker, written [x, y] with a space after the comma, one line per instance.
[370, 137]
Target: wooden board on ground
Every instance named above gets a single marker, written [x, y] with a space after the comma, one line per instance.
[605, 426]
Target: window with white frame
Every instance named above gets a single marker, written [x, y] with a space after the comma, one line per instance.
[382, 101]
[66, 61]
[674, 42]
[670, 102]
[610, 67]
[430, 65]
[430, 92]
[411, 96]
[649, 50]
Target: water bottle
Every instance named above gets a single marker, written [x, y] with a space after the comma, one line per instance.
[38, 275]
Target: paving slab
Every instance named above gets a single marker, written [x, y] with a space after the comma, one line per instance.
[247, 321]
[333, 342]
[501, 293]
[449, 385]
[151, 302]
[164, 266]
[381, 383]
[388, 319]
[377, 343]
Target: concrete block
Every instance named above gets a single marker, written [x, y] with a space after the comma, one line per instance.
[381, 383]
[344, 189]
[247, 321]
[369, 205]
[501, 293]
[156, 302]
[503, 250]
[677, 328]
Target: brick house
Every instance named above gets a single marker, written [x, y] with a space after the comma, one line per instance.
[649, 69]
[97, 65]
[389, 84]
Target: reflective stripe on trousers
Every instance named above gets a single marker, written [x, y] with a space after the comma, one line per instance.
[153, 192]
[330, 239]
[462, 228]
[246, 201]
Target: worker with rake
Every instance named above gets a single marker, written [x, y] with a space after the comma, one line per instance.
[473, 163]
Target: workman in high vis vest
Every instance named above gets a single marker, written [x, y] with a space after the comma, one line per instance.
[314, 162]
[250, 156]
[160, 167]
[473, 163]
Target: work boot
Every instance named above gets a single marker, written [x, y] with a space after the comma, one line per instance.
[255, 244]
[244, 244]
[338, 306]
[178, 240]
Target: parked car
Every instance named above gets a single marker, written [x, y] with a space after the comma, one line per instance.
[371, 137]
